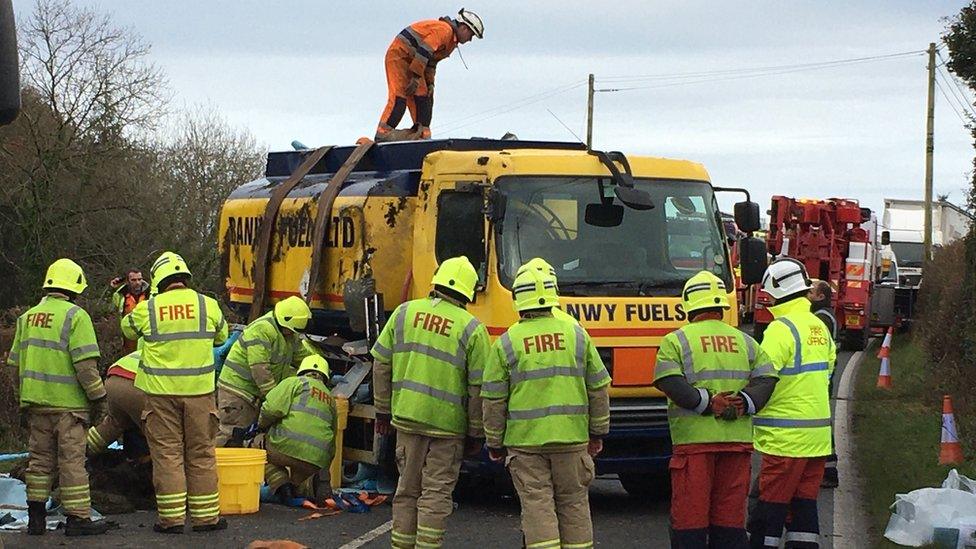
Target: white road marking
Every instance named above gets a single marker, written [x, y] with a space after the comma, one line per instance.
[846, 507]
[369, 536]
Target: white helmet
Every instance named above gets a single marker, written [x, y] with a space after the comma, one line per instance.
[784, 277]
[473, 22]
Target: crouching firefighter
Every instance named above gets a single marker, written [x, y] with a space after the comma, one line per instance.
[56, 354]
[793, 431]
[546, 409]
[715, 377]
[257, 362]
[299, 415]
[125, 404]
[427, 376]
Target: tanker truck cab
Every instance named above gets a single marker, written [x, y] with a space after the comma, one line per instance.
[623, 234]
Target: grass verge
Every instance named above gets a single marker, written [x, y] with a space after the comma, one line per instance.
[897, 432]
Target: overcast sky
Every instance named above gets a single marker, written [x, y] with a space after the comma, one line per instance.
[313, 71]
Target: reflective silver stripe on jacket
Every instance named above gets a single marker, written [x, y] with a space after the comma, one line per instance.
[805, 369]
[382, 352]
[495, 387]
[420, 348]
[50, 378]
[560, 410]
[239, 369]
[510, 358]
[766, 369]
[201, 333]
[792, 423]
[319, 443]
[83, 350]
[750, 348]
[519, 376]
[151, 370]
[667, 368]
[474, 375]
[797, 356]
[433, 392]
[686, 356]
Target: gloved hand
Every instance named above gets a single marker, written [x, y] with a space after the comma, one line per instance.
[497, 454]
[99, 409]
[727, 406]
[412, 86]
[595, 446]
[472, 446]
[383, 426]
[251, 432]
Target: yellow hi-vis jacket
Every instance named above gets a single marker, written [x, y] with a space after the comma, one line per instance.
[179, 329]
[796, 420]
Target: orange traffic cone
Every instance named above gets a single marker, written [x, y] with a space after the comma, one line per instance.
[951, 450]
[886, 344]
[884, 374]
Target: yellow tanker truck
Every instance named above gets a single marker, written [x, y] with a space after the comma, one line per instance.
[624, 233]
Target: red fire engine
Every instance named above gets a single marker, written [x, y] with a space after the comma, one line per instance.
[827, 236]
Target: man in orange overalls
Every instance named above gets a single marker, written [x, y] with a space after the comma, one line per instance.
[411, 61]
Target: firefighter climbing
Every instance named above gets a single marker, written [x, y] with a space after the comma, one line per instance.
[411, 61]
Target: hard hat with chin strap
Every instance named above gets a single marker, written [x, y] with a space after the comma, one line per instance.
[458, 274]
[533, 289]
[784, 277]
[292, 313]
[704, 291]
[473, 22]
[314, 363]
[65, 274]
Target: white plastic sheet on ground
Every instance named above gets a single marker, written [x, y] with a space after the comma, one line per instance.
[918, 513]
[13, 502]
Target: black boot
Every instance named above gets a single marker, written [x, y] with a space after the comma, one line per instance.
[221, 524]
[160, 529]
[286, 493]
[77, 526]
[36, 518]
[830, 479]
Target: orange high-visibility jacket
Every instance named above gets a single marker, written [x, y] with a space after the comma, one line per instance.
[424, 43]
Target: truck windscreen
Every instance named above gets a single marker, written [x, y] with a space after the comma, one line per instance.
[651, 252]
[908, 254]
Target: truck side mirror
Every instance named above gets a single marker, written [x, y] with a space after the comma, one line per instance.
[9, 66]
[747, 216]
[885, 238]
[752, 258]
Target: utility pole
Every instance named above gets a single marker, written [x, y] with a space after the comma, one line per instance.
[589, 114]
[929, 148]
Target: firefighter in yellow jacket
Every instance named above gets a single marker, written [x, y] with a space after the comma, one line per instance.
[56, 354]
[426, 375]
[547, 409]
[179, 328]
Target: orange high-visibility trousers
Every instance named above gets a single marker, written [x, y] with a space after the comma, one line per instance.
[399, 100]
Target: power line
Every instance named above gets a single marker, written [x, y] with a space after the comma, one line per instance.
[952, 105]
[506, 108]
[760, 72]
[760, 69]
[959, 102]
[957, 82]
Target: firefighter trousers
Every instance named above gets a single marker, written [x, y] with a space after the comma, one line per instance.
[233, 412]
[282, 468]
[708, 499]
[429, 468]
[57, 443]
[180, 431]
[787, 487]
[553, 489]
[125, 405]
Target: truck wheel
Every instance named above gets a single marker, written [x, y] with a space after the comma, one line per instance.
[855, 340]
[757, 331]
[647, 486]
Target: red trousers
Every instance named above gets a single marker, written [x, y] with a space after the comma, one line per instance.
[709, 489]
[783, 479]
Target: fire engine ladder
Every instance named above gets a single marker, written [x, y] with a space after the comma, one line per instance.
[262, 246]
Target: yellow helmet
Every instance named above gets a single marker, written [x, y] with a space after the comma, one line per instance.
[534, 290]
[167, 265]
[704, 291]
[292, 313]
[458, 274]
[540, 265]
[314, 363]
[65, 274]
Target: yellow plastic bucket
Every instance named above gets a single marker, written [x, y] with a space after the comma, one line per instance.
[335, 468]
[240, 473]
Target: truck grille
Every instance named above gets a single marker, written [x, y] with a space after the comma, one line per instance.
[638, 413]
